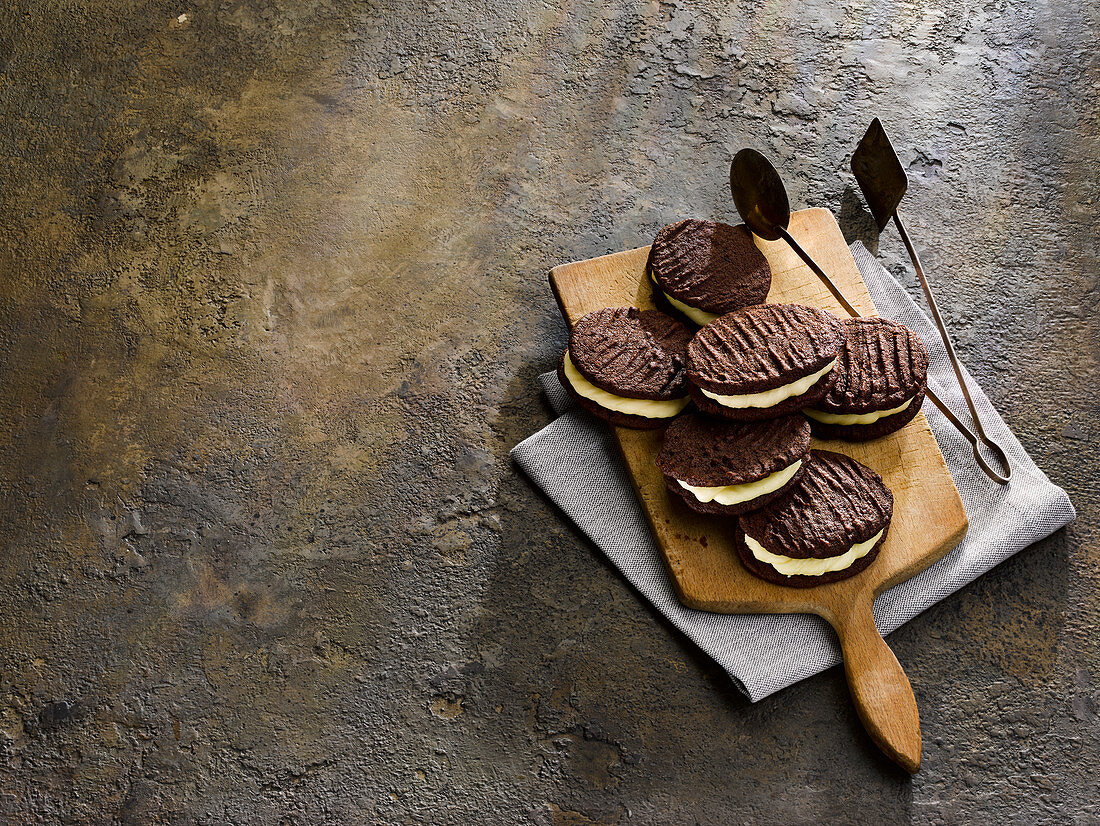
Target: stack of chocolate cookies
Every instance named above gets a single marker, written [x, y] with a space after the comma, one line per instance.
[762, 378]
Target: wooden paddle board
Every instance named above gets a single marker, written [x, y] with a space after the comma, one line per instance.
[928, 521]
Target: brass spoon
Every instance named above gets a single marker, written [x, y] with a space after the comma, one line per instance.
[761, 200]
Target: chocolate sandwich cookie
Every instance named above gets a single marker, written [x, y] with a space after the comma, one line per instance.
[830, 526]
[764, 361]
[704, 269]
[722, 467]
[880, 380]
[626, 365]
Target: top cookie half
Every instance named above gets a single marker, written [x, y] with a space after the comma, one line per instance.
[764, 347]
[704, 269]
[638, 354]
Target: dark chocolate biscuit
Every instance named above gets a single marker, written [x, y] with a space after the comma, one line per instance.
[767, 572]
[615, 417]
[867, 432]
[709, 452]
[706, 452]
[762, 348]
[639, 354]
[708, 265]
[881, 365]
[838, 503]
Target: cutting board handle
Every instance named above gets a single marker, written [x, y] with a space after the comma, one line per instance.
[880, 689]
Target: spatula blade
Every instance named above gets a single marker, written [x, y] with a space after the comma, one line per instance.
[879, 173]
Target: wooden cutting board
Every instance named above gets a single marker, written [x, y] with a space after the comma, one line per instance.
[929, 519]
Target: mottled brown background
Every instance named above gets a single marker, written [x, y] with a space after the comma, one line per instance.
[272, 301]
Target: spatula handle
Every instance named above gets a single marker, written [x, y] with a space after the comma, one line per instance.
[880, 689]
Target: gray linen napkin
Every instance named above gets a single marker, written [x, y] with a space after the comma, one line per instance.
[575, 462]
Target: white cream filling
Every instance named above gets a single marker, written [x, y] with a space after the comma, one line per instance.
[649, 408]
[854, 418]
[736, 494]
[700, 317]
[770, 398]
[812, 567]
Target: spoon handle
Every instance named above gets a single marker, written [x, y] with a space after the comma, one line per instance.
[820, 273]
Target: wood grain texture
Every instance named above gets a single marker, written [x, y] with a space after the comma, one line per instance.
[929, 519]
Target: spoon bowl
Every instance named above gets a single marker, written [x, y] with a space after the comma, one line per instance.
[759, 195]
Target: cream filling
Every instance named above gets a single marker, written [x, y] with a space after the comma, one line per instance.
[635, 407]
[700, 317]
[736, 494]
[770, 398]
[854, 418]
[812, 567]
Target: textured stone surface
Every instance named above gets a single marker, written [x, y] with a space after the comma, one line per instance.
[272, 300]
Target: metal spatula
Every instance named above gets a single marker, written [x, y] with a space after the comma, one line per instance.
[761, 200]
[882, 178]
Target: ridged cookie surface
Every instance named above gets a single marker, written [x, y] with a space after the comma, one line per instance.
[709, 265]
[881, 364]
[639, 354]
[708, 452]
[763, 347]
[837, 504]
